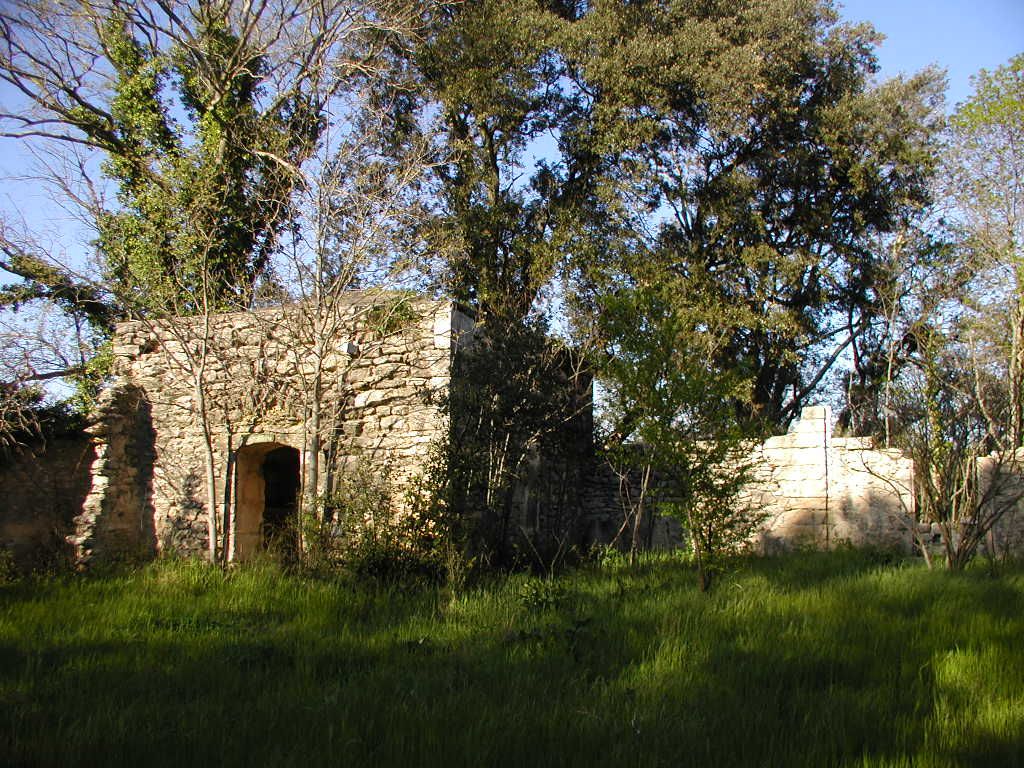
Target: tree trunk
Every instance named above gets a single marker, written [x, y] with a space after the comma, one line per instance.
[638, 515]
[1016, 383]
[209, 463]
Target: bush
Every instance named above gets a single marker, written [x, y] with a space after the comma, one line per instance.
[360, 528]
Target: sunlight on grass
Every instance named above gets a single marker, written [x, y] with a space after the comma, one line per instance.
[804, 661]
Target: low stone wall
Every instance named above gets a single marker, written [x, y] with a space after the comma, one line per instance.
[822, 491]
[813, 490]
[41, 491]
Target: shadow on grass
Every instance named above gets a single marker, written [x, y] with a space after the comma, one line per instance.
[630, 668]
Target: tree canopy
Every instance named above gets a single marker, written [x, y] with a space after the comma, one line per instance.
[751, 145]
[203, 113]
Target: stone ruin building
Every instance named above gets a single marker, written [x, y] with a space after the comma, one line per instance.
[137, 484]
[382, 372]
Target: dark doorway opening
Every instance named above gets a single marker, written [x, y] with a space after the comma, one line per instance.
[280, 500]
[267, 483]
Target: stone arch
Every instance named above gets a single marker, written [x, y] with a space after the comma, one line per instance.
[267, 485]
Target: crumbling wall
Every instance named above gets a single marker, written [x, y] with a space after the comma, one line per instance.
[115, 518]
[41, 491]
[822, 491]
[813, 490]
[1001, 484]
[384, 371]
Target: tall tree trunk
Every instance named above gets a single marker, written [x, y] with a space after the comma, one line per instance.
[209, 462]
[1016, 383]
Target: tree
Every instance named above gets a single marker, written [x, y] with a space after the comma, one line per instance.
[948, 403]
[492, 94]
[963, 388]
[984, 182]
[489, 83]
[204, 115]
[751, 147]
[353, 211]
[950, 385]
[672, 409]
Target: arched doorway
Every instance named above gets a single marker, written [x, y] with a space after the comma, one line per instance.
[266, 501]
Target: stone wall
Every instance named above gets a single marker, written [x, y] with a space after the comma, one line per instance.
[823, 491]
[813, 490]
[384, 365]
[1001, 483]
[41, 491]
[116, 516]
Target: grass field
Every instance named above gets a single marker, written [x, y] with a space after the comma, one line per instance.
[810, 660]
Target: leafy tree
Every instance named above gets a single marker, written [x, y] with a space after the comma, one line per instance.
[491, 97]
[984, 182]
[489, 78]
[952, 378]
[519, 400]
[751, 147]
[204, 114]
[672, 409]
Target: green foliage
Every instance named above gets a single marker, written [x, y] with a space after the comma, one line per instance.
[825, 659]
[42, 280]
[89, 381]
[677, 411]
[360, 528]
[953, 382]
[27, 420]
[984, 165]
[202, 200]
[516, 397]
[393, 314]
[8, 570]
[541, 594]
[489, 85]
[751, 150]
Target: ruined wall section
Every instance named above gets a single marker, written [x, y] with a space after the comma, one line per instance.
[41, 492]
[822, 491]
[384, 364]
[1001, 484]
[115, 519]
[398, 388]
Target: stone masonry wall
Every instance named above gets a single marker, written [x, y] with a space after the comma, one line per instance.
[41, 491]
[814, 489]
[115, 518]
[384, 364]
[823, 491]
[1001, 480]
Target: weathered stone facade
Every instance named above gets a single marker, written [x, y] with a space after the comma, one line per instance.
[375, 372]
[812, 489]
[822, 491]
[1001, 484]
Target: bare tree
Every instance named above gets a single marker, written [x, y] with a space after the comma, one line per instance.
[207, 117]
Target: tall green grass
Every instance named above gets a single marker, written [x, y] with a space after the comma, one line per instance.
[811, 660]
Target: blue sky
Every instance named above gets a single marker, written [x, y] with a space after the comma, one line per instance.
[960, 36]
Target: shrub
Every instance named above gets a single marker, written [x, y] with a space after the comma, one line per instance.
[361, 528]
